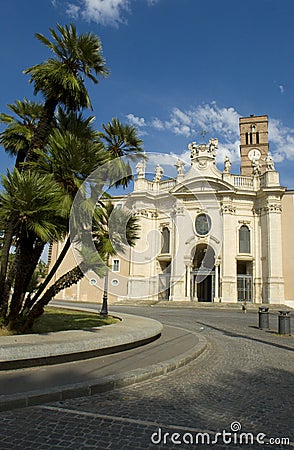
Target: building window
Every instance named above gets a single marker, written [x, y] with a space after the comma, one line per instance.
[166, 240]
[244, 239]
[203, 224]
[115, 265]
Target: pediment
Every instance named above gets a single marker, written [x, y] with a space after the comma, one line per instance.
[201, 185]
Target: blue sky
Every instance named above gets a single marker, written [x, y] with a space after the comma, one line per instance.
[177, 67]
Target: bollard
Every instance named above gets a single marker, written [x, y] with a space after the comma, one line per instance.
[263, 318]
[284, 322]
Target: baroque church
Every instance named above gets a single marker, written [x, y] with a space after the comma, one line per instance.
[206, 235]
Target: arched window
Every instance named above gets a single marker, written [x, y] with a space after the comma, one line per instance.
[244, 239]
[166, 240]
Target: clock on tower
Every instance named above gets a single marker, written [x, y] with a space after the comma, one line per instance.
[253, 142]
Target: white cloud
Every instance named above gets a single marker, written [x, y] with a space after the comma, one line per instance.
[73, 10]
[282, 88]
[281, 140]
[179, 123]
[137, 121]
[222, 123]
[208, 117]
[105, 12]
[152, 2]
[158, 124]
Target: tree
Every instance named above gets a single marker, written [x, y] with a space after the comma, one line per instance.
[38, 206]
[121, 140]
[61, 149]
[114, 229]
[73, 152]
[16, 138]
[61, 78]
[61, 81]
[76, 150]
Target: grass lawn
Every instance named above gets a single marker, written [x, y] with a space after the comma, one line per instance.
[59, 319]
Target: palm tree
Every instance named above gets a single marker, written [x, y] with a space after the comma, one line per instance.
[16, 138]
[73, 153]
[38, 207]
[113, 231]
[121, 141]
[61, 81]
[36, 308]
[61, 78]
[75, 150]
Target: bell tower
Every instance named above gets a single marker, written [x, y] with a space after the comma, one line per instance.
[253, 142]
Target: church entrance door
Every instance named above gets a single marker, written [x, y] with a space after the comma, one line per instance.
[203, 286]
[203, 273]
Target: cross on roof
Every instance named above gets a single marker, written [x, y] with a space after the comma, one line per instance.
[203, 133]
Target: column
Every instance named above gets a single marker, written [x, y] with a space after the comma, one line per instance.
[216, 293]
[188, 281]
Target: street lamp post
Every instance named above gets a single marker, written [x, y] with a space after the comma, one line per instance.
[104, 309]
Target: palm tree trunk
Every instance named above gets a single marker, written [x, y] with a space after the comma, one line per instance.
[7, 241]
[43, 129]
[53, 271]
[26, 259]
[66, 280]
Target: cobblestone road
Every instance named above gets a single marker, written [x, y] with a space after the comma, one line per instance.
[245, 378]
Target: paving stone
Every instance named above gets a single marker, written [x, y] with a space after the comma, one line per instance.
[245, 376]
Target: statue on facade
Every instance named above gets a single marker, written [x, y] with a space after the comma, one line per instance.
[256, 167]
[269, 162]
[179, 165]
[213, 145]
[140, 168]
[227, 165]
[193, 147]
[158, 173]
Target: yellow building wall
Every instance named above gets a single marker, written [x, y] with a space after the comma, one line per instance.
[288, 243]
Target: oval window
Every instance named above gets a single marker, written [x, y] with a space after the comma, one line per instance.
[202, 224]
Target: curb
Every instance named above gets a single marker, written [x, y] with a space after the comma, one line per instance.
[34, 398]
[22, 351]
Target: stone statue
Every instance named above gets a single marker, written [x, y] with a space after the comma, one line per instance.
[256, 167]
[213, 144]
[179, 165]
[158, 173]
[269, 163]
[193, 147]
[140, 168]
[227, 165]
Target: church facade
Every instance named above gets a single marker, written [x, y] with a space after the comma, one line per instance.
[206, 235]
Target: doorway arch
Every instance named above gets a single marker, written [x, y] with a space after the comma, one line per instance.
[203, 273]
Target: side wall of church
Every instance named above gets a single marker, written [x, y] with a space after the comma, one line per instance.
[288, 245]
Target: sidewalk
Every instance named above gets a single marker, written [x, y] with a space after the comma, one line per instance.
[143, 349]
[31, 350]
